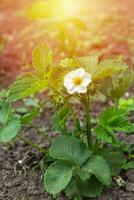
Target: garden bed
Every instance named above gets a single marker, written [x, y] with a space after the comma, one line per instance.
[20, 180]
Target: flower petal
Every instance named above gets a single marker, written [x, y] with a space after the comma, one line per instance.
[72, 90]
[70, 75]
[81, 89]
[79, 72]
[86, 79]
[68, 83]
[70, 78]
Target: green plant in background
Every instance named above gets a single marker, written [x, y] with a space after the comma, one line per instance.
[9, 124]
[83, 160]
[12, 119]
[3, 93]
[60, 25]
[89, 21]
[127, 104]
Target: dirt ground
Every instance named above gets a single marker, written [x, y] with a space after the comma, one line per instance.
[21, 181]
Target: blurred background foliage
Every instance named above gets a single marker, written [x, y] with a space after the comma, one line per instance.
[71, 28]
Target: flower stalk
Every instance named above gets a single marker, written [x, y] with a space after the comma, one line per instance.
[75, 119]
[88, 124]
[34, 145]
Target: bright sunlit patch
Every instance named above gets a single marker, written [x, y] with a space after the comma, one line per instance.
[67, 8]
[77, 81]
[61, 9]
[41, 9]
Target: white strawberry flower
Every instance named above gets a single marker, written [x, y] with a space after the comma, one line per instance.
[77, 81]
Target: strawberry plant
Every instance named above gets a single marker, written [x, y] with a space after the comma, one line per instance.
[82, 160]
[9, 124]
[12, 119]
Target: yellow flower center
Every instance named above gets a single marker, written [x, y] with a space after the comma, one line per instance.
[77, 81]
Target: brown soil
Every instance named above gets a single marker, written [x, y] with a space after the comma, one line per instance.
[21, 181]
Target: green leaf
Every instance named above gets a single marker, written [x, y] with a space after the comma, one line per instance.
[69, 149]
[42, 58]
[69, 62]
[87, 62]
[71, 189]
[100, 71]
[22, 110]
[98, 166]
[109, 68]
[57, 177]
[59, 119]
[123, 125]
[103, 134]
[115, 160]
[26, 85]
[120, 79]
[122, 84]
[3, 93]
[31, 102]
[30, 83]
[28, 118]
[127, 104]
[90, 188]
[109, 115]
[84, 174]
[10, 131]
[128, 165]
[116, 120]
[5, 109]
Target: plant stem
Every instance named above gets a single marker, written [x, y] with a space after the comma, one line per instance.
[34, 145]
[75, 119]
[57, 91]
[88, 123]
[116, 103]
